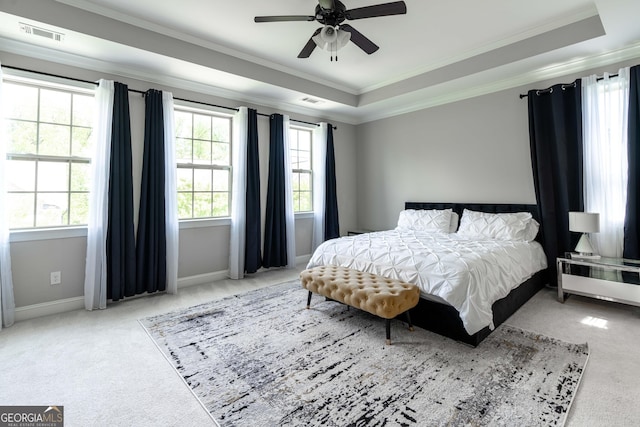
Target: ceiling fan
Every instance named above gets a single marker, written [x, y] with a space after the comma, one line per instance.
[335, 34]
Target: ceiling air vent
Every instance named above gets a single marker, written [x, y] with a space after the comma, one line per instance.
[311, 100]
[41, 32]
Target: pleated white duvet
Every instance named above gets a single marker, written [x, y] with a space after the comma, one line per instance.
[469, 274]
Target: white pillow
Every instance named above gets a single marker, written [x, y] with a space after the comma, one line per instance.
[453, 224]
[431, 220]
[499, 226]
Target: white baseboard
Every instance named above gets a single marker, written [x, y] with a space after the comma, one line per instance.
[77, 303]
[201, 279]
[49, 308]
[303, 259]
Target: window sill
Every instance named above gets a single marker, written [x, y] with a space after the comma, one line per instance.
[304, 215]
[47, 234]
[203, 223]
[74, 232]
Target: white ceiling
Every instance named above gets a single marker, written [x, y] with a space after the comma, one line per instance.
[438, 52]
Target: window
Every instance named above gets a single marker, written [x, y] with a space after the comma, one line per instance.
[605, 107]
[48, 153]
[300, 148]
[203, 153]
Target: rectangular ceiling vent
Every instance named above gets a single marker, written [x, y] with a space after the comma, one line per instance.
[311, 100]
[41, 32]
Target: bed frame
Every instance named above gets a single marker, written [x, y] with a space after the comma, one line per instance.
[444, 319]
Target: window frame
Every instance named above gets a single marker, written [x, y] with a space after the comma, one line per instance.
[197, 222]
[309, 172]
[47, 82]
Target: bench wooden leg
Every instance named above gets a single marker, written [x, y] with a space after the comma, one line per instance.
[388, 324]
[309, 300]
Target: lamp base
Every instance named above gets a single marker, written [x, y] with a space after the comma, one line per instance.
[584, 248]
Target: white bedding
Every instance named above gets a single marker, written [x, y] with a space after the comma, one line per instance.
[469, 274]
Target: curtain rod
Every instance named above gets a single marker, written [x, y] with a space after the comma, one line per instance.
[142, 93]
[549, 90]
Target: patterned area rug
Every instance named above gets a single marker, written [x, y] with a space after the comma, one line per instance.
[262, 359]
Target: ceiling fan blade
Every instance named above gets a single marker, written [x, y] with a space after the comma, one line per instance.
[327, 4]
[385, 9]
[307, 50]
[285, 18]
[359, 40]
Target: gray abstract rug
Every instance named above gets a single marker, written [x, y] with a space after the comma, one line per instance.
[262, 359]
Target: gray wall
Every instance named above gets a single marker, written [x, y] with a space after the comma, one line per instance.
[475, 150]
[203, 251]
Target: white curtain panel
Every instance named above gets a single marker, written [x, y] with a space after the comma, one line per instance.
[290, 218]
[95, 277]
[239, 193]
[7, 303]
[605, 104]
[319, 181]
[170, 192]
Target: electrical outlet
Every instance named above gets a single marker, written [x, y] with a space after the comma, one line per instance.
[56, 277]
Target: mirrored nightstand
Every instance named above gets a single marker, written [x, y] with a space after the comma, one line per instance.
[609, 279]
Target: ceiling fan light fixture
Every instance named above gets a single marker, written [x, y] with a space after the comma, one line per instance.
[331, 38]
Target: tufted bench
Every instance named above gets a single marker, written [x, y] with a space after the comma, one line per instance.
[375, 294]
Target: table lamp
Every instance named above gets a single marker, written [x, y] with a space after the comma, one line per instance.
[584, 222]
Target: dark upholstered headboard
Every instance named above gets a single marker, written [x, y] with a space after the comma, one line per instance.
[482, 207]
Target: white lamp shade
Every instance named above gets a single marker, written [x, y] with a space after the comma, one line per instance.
[584, 222]
[331, 38]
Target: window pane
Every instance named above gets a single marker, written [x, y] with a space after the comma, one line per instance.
[52, 209]
[24, 102]
[55, 106]
[221, 180]
[81, 142]
[201, 127]
[304, 140]
[79, 212]
[22, 137]
[55, 140]
[305, 182]
[304, 160]
[21, 214]
[202, 205]
[306, 204]
[221, 129]
[183, 124]
[295, 181]
[53, 176]
[295, 163]
[202, 180]
[183, 150]
[185, 179]
[221, 154]
[80, 176]
[202, 152]
[184, 205]
[221, 204]
[21, 175]
[296, 201]
[83, 110]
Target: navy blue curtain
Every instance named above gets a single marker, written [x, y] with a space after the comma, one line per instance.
[555, 133]
[253, 256]
[331, 224]
[151, 245]
[275, 233]
[631, 230]
[121, 241]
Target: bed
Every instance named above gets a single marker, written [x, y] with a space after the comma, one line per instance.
[469, 284]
